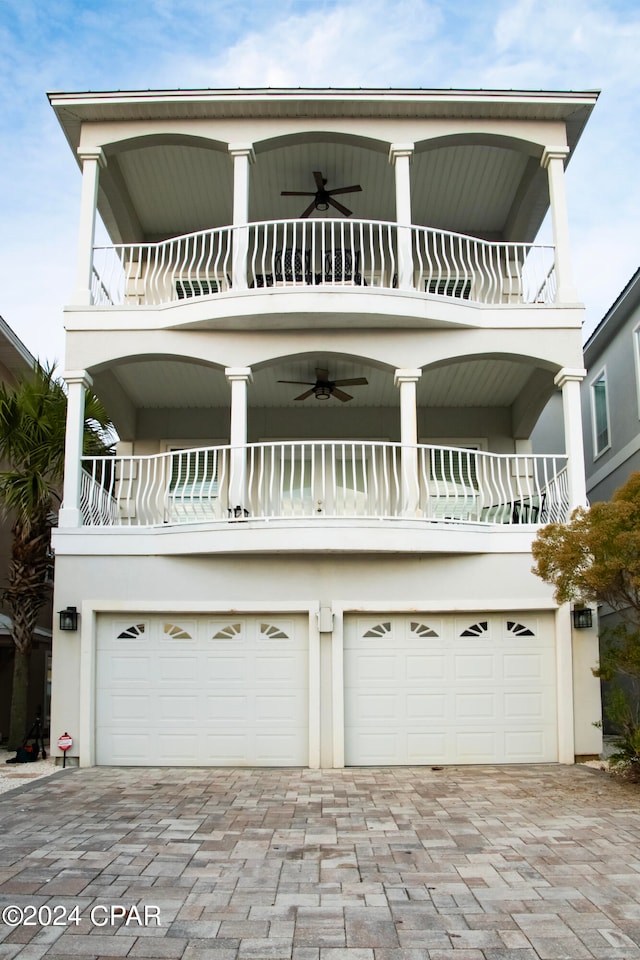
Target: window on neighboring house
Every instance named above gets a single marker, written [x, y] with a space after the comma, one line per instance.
[600, 412]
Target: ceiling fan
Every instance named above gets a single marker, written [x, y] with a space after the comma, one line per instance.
[324, 388]
[322, 198]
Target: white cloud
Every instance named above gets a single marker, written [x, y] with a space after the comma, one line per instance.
[357, 44]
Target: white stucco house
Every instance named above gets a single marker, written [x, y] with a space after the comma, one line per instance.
[325, 332]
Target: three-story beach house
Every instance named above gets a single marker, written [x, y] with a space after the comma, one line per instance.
[325, 332]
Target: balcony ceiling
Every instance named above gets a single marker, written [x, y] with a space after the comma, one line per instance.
[169, 188]
[173, 384]
[468, 189]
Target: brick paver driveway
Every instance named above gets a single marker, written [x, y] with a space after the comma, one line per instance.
[503, 863]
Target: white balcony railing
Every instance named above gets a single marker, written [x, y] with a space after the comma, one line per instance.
[323, 253]
[318, 479]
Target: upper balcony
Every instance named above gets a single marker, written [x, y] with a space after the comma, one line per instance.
[375, 206]
[316, 256]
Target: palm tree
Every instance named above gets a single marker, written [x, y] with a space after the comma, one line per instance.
[32, 433]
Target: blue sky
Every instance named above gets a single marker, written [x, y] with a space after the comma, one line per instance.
[76, 45]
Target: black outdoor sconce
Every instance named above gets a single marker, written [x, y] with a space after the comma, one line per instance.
[69, 618]
[582, 618]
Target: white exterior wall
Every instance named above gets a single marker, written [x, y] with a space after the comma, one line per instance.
[136, 585]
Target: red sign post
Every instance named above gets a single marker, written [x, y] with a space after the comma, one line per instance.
[64, 744]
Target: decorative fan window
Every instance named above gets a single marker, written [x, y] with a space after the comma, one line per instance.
[380, 630]
[269, 631]
[229, 632]
[423, 630]
[135, 630]
[479, 629]
[519, 629]
[176, 632]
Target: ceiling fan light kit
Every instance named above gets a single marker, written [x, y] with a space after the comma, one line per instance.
[324, 388]
[322, 198]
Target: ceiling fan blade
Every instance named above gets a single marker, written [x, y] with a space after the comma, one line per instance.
[341, 395]
[309, 209]
[356, 188]
[302, 383]
[355, 382]
[319, 179]
[338, 206]
[297, 193]
[307, 393]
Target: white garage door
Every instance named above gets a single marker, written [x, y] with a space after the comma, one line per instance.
[177, 690]
[450, 689]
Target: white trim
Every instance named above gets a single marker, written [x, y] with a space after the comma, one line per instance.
[88, 642]
[600, 375]
[636, 356]
[564, 685]
[614, 462]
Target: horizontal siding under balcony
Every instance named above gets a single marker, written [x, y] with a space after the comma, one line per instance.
[317, 480]
[323, 255]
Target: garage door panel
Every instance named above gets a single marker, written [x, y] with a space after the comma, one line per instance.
[128, 709]
[524, 744]
[205, 691]
[482, 690]
[425, 747]
[475, 706]
[276, 669]
[131, 670]
[523, 666]
[228, 669]
[524, 706]
[175, 670]
[180, 709]
[424, 706]
[473, 666]
[476, 746]
[425, 667]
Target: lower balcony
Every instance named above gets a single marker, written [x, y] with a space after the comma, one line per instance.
[312, 481]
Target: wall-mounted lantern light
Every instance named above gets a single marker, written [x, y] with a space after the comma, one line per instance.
[69, 618]
[582, 618]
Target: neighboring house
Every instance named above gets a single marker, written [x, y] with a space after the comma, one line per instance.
[325, 333]
[611, 408]
[611, 396]
[16, 361]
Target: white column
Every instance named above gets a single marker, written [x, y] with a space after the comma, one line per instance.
[553, 161]
[243, 156]
[238, 377]
[77, 382]
[92, 160]
[569, 382]
[400, 156]
[407, 380]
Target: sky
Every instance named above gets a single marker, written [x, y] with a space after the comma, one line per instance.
[81, 45]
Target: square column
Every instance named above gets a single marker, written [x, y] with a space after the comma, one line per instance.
[407, 380]
[92, 161]
[400, 156]
[78, 382]
[243, 156]
[553, 161]
[238, 377]
[569, 382]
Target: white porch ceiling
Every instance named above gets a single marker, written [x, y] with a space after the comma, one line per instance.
[163, 384]
[176, 189]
